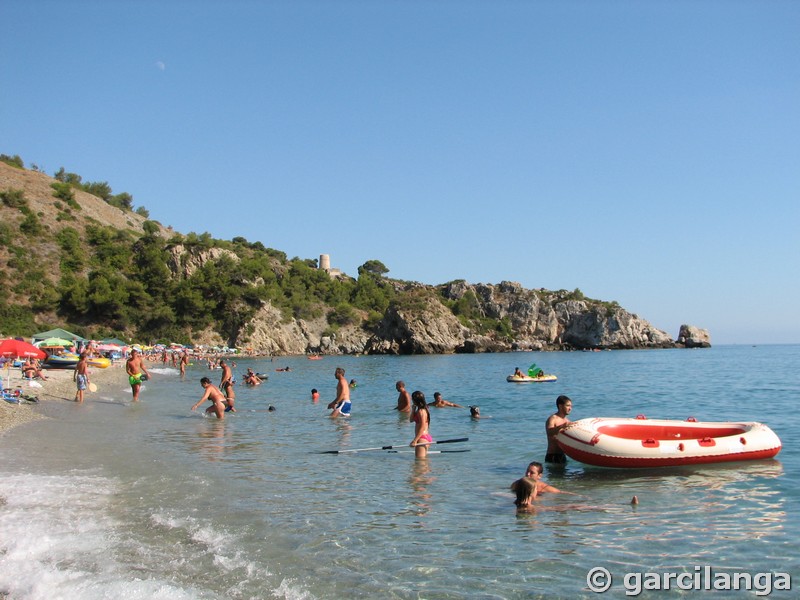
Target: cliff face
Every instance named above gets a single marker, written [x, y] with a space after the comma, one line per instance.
[539, 321]
[427, 329]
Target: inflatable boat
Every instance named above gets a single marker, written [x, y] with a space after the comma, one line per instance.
[99, 362]
[65, 360]
[642, 442]
[529, 379]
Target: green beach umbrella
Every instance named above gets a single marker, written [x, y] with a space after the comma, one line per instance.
[54, 341]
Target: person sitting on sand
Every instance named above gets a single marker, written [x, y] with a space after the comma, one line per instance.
[440, 402]
[32, 370]
[216, 397]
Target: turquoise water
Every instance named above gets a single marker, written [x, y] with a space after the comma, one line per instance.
[113, 500]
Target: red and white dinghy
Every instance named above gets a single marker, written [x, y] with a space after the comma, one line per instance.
[642, 442]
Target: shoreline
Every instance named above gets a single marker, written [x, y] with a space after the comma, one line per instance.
[59, 387]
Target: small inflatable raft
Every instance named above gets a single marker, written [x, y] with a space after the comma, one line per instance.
[529, 379]
[66, 360]
[99, 362]
[642, 442]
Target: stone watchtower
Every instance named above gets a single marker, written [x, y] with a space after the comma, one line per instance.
[325, 262]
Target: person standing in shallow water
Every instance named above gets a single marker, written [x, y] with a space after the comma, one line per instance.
[404, 399]
[134, 367]
[556, 423]
[341, 405]
[216, 397]
[421, 417]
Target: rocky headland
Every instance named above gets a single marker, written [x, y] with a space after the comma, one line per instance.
[538, 320]
[73, 260]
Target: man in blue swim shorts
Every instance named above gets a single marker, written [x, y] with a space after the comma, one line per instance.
[81, 376]
[341, 406]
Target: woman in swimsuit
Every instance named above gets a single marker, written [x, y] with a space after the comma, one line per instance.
[421, 416]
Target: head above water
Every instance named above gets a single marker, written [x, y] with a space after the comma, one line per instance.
[534, 469]
[523, 488]
[475, 411]
[562, 401]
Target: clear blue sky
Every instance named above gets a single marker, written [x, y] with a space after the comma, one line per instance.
[644, 152]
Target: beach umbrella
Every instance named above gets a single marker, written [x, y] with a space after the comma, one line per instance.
[18, 349]
[109, 348]
[54, 341]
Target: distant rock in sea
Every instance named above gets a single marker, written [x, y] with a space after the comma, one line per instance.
[690, 336]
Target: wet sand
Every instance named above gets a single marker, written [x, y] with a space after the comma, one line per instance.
[59, 387]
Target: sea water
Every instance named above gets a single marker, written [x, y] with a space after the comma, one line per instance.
[112, 499]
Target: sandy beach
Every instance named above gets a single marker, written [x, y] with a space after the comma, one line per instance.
[59, 387]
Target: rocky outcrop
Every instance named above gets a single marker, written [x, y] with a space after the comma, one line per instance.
[425, 320]
[426, 327]
[690, 336]
[585, 327]
[270, 333]
[422, 323]
[543, 320]
[185, 260]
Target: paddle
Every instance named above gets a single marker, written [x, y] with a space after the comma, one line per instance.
[429, 452]
[453, 441]
[92, 387]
